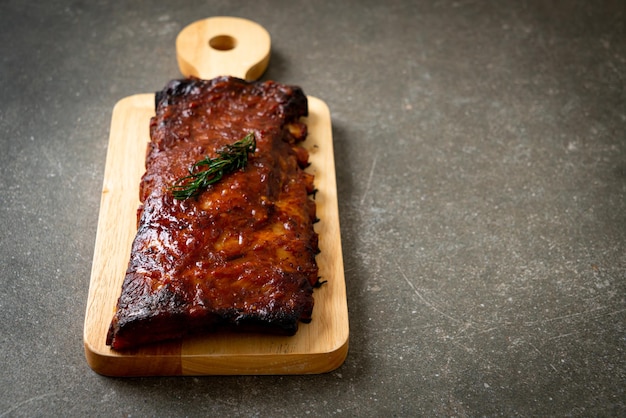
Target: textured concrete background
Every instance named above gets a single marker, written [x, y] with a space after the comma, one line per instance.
[481, 158]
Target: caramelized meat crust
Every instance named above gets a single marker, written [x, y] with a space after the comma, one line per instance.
[242, 254]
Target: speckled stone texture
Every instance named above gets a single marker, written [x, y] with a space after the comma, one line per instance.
[481, 170]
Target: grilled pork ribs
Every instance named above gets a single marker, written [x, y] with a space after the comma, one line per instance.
[239, 255]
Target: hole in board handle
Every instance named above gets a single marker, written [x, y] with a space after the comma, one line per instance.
[223, 42]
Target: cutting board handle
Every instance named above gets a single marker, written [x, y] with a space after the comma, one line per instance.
[223, 46]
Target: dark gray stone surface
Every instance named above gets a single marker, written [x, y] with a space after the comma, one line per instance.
[481, 163]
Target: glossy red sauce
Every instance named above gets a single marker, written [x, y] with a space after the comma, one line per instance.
[241, 254]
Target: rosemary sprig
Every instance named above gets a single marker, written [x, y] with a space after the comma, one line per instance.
[211, 170]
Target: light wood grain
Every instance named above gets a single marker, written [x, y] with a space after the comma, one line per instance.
[317, 347]
[206, 49]
[223, 46]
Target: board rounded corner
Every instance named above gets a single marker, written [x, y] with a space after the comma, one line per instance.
[98, 361]
[339, 355]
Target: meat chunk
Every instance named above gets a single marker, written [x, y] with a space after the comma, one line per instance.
[241, 254]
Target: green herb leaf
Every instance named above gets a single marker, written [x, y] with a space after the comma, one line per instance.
[211, 170]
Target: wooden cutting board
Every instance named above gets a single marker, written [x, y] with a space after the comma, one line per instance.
[208, 48]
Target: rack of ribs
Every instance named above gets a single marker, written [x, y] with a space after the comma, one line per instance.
[241, 254]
